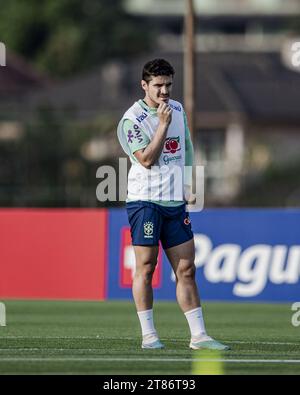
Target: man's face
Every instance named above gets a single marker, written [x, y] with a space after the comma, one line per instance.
[158, 90]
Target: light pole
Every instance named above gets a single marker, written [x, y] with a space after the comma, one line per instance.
[189, 65]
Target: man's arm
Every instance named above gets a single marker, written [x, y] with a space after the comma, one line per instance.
[136, 137]
[149, 155]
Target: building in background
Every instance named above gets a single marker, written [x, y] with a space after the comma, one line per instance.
[18, 78]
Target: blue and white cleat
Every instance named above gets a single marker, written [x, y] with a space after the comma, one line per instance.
[154, 345]
[208, 344]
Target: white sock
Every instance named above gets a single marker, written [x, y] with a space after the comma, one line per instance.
[147, 325]
[196, 322]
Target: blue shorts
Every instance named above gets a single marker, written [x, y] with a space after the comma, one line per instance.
[150, 222]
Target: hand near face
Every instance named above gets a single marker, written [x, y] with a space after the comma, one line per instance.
[164, 113]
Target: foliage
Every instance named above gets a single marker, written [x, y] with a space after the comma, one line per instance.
[67, 36]
[45, 168]
[278, 186]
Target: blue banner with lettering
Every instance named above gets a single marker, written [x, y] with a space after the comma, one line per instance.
[241, 254]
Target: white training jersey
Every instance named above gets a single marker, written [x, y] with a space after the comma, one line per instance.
[165, 180]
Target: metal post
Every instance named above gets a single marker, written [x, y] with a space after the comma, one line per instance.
[189, 65]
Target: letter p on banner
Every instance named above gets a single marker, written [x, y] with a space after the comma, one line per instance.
[2, 314]
[2, 55]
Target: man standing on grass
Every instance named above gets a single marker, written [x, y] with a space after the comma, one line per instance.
[155, 135]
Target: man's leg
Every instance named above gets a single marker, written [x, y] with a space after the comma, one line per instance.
[146, 259]
[182, 259]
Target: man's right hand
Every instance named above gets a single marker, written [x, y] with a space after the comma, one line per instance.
[149, 155]
[164, 113]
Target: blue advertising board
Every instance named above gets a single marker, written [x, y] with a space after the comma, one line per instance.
[241, 254]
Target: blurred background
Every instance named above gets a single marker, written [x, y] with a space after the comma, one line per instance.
[74, 66]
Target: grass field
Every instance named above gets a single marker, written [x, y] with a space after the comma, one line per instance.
[104, 338]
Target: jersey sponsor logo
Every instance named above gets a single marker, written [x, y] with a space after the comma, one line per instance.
[138, 134]
[167, 159]
[175, 107]
[248, 270]
[128, 262]
[135, 135]
[130, 136]
[142, 117]
[172, 145]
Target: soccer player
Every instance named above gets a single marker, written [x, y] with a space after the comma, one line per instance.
[155, 135]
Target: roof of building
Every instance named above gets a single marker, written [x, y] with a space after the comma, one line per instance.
[214, 8]
[19, 76]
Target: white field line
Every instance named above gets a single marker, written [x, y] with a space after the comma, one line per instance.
[50, 349]
[259, 342]
[109, 359]
[136, 338]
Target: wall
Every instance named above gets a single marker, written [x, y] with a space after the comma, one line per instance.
[82, 254]
[53, 254]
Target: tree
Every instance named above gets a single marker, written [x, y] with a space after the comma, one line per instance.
[67, 36]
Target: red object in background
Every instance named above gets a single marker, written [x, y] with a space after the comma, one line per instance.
[53, 254]
[127, 262]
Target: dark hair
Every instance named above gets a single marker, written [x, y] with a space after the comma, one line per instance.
[156, 67]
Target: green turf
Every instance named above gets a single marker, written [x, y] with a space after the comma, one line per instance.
[104, 338]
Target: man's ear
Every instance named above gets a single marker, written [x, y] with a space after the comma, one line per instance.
[144, 85]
